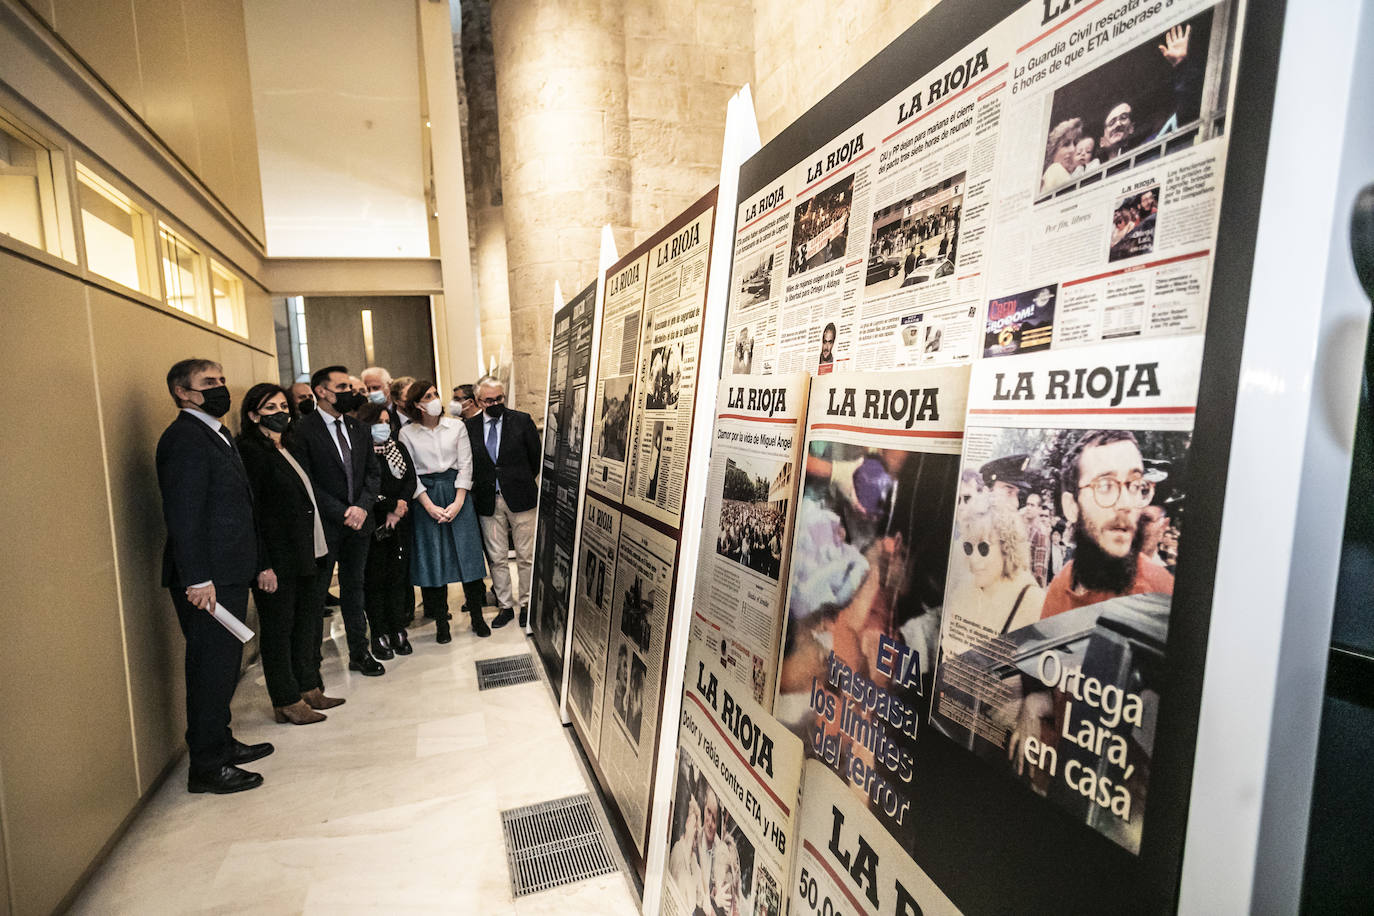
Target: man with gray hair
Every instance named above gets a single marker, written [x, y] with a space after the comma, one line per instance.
[505, 462]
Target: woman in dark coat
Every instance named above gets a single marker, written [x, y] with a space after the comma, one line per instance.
[386, 581]
[293, 539]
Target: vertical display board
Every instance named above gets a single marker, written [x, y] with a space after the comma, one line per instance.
[644, 404]
[994, 250]
[570, 363]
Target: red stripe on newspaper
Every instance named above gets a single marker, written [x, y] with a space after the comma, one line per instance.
[993, 91]
[740, 416]
[1125, 270]
[1083, 411]
[714, 626]
[930, 111]
[730, 742]
[852, 263]
[834, 173]
[915, 433]
[769, 213]
[820, 859]
[1052, 30]
[970, 276]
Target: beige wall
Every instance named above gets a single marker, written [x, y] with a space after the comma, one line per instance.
[182, 67]
[805, 48]
[92, 683]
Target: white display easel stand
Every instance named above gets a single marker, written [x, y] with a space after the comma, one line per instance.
[741, 142]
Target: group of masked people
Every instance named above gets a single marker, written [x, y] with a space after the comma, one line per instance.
[376, 480]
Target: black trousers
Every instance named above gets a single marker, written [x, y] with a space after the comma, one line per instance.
[436, 599]
[288, 619]
[350, 554]
[390, 596]
[213, 657]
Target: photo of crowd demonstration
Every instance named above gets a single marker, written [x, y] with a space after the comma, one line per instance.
[743, 363]
[820, 227]
[916, 239]
[613, 421]
[636, 614]
[870, 553]
[753, 513]
[665, 374]
[1023, 323]
[1066, 542]
[756, 284]
[1133, 225]
[710, 859]
[1142, 105]
[628, 691]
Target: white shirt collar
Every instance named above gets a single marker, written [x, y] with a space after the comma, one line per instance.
[204, 417]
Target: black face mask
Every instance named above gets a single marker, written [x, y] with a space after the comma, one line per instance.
[276, 422]
[496, 410]
[306, 406]
[347, 401]
[216, 402]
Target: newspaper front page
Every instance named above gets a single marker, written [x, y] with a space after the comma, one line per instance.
[730, 843]
[674, 301]
[1071, 497]
[592, 621]
[750, 505]
[867, 576]
[621, 322]
[846, 864]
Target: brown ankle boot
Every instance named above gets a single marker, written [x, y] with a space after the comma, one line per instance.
[317, 700]
[298, 713]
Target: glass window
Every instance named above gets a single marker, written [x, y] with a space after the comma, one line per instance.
[116, 233]
[30, 178]
[230, 312]
[182, 269]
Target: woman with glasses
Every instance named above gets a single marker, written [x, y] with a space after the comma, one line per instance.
[448, 542]
[1000, 593]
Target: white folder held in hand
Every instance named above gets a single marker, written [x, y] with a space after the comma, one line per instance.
[232, 623]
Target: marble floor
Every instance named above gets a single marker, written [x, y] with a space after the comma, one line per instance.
[391, 806]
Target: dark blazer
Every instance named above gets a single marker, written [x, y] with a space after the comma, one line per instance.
[208, 507]
[393, 488]
[313, 445]
[516, 467]
[285, 514]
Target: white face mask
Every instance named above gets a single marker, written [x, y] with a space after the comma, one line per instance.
[434, 408]
[455, 408]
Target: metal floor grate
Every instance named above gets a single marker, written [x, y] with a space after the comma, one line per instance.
[502, 672]
[554, 843]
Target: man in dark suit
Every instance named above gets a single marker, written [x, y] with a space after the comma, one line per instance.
[212, 557]
[505, 462]
[336, 452]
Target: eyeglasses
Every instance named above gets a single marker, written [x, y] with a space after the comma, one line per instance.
[983, 548]
[492, 402]
[1107, 491]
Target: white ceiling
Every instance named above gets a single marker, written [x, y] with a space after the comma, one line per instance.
[336, 95]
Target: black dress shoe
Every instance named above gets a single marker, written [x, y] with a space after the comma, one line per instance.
[367, 666]
[381, 648]
[524, 617]
[503, 618]
[247, 753]
[400, 643]
[223, 781]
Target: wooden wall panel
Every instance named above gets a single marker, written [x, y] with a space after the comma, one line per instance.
[66, 746]
[165, 61]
